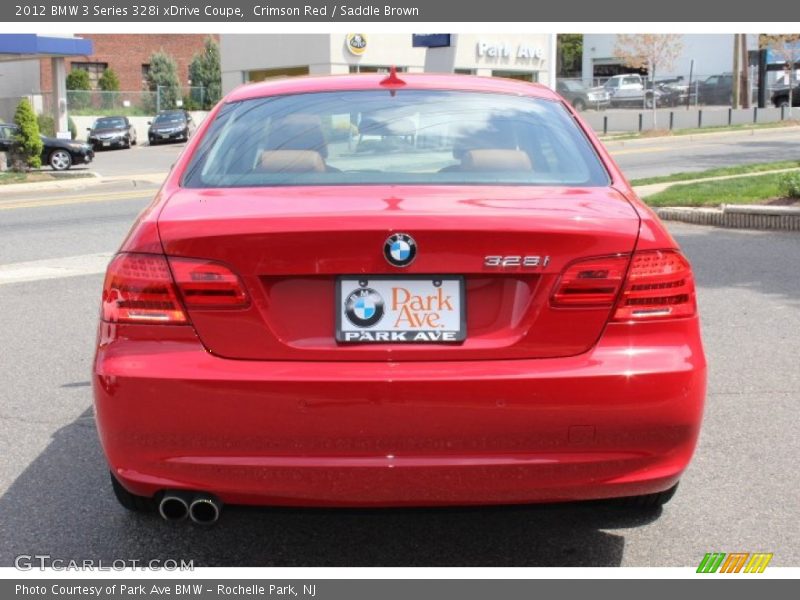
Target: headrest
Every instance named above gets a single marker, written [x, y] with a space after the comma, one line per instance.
[496, 160]
[291, 161]
[297, 132]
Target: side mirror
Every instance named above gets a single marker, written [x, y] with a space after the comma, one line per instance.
[149, 122]
[88, 129]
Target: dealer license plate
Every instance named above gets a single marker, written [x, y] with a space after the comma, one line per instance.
[392, 310]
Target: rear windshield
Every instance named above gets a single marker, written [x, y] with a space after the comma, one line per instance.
[410, 137]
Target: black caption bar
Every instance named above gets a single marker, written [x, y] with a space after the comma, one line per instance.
[343, 589]
[449, 11]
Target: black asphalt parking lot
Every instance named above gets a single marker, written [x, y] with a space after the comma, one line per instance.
[739, 494]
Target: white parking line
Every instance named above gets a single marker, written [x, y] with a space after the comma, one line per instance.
[54, 268]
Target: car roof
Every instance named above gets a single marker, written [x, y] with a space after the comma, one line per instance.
[413, 81]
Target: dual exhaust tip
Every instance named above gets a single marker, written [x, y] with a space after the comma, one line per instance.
[202, 509]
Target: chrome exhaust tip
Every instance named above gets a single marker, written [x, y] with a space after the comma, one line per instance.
[173, 508]
[204, 510]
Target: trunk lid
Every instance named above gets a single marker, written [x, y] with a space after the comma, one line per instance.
[289, 244]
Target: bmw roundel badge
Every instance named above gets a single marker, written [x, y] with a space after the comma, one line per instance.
[400, 250]
[364, 307]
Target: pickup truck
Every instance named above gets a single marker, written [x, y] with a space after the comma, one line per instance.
[633, 90]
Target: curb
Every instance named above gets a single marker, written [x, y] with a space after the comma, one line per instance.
[621, 140]
[746, 216]
[92, 179]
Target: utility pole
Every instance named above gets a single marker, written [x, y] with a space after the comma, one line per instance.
[745, 94]
[762, 78]
[737, 71]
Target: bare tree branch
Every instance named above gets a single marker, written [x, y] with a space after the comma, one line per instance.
[651, 51]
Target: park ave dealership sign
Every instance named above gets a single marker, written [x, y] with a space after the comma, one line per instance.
[506, 50]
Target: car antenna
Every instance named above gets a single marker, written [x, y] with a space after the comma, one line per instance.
[392, 81]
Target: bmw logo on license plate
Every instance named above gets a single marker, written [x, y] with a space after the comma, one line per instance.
[400, 250]
[364, 307]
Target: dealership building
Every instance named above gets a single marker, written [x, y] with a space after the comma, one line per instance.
[702, 55]
[248, 58]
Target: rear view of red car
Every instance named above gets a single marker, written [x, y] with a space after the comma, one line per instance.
[368, 291]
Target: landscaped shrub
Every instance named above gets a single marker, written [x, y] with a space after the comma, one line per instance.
[28, 144]
[790, 184]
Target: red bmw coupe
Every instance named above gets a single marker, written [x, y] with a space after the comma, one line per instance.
[375, 291]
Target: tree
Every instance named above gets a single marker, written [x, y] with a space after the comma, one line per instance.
[651, 51]
[109, 83]
[162, 78]
[786, 48]
[78, 79]
[569, 54]
[28, 144]
[79, 89]
[205, 71]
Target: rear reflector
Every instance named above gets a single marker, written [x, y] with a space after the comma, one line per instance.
[138, 289]
[660, 284]
[206, 284]
[591, 282]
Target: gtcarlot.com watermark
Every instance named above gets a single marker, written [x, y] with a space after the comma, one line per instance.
[42, 562]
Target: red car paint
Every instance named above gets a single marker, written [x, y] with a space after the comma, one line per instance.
[553, 395]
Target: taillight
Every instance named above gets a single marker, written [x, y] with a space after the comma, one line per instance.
[138, 289]
[591, 282]
[208, 284]
[660, 284]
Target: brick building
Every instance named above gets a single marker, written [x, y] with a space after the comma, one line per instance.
[128, 55]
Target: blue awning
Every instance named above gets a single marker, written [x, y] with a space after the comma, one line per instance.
[24, 45]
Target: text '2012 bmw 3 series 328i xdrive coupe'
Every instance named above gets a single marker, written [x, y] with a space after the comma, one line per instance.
[374, 291]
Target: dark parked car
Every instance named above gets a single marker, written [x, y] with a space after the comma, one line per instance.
[673, 92]
[780, 97]
[170, 126]
[717, 89]
[59, 154]
[108, 132]
[582, 98]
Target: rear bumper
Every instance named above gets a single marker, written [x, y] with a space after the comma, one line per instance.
[620, 420]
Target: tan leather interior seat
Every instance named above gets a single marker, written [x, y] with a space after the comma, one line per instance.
[297, 132]
[291, 161]
[496, 160]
